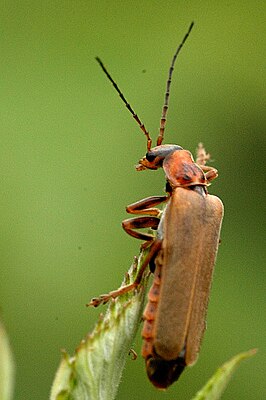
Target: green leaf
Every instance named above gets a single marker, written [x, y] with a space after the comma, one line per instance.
[215, 387]
[7, 368]
[95, 370]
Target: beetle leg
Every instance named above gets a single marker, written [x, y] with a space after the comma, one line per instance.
[202, 158]
[104, 298]
[133, 353]
[146, 206]
[202, 155]
[211, 174]
[141, 222]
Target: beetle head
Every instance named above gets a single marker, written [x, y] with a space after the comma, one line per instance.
[154, 157]
[178, 164]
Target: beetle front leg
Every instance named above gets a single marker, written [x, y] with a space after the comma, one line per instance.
[146, 206]
[104, 298]
[201, 155]
[211, 174]
[202, 158]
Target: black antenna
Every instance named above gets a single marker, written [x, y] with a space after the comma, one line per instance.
[167, 93]
[128, 106]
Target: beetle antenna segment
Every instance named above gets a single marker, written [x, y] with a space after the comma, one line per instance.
[167, 93]
[128, 106]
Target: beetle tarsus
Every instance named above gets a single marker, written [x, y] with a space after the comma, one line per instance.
[104, 298]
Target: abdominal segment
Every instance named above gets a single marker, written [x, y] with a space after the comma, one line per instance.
[162, 373]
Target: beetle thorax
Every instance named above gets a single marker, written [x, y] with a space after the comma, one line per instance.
[182, 171]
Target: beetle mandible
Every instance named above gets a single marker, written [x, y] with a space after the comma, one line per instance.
[182, 255]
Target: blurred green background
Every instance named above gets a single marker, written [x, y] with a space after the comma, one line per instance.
[68, 149]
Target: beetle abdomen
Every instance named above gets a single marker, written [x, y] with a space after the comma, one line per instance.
[162, 373]
[150, 313]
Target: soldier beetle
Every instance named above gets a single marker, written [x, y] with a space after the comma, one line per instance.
[182, 255]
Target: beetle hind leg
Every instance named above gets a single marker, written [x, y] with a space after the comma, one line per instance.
[104, 298]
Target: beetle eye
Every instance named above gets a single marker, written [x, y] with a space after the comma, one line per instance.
[150, 157]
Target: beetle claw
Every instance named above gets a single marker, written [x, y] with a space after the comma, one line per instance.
[96, 301]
